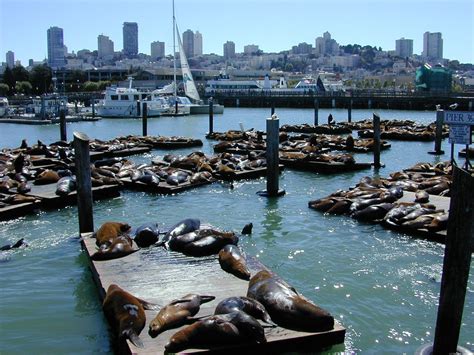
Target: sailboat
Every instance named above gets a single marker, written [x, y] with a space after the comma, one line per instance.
[183, 104]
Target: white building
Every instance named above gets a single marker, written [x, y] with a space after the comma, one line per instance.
[250, 49]
[105, 46]
[432, 45]
[404, 47]
[229, 50]
[326, 45]
[197, 43]
[157, 50]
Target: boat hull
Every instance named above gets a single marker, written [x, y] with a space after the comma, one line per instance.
[204, 109]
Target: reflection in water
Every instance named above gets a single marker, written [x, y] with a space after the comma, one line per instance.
[272, 222]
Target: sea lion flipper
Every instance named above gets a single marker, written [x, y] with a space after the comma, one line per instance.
[207, 298]
[134, 338]
[179, 301]
[149, 306]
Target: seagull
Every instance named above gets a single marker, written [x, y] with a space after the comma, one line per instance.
[454, 106]
[438, 107]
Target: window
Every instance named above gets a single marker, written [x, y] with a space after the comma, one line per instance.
[124, 97]
[136, 97]
[114, 97]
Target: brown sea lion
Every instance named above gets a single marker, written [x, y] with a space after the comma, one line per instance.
[286, 307]
[218, 330]
[422, 196]
[232, 261]
[244, 304]
[177, 313]
[120, 246]
[109, 231]
[440, 222]
[125, 313]
[47, 177]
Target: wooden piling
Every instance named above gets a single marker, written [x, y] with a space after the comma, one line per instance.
[93, 108]
[138, 108]
[456, 265]
[272, 111]
[316, 112]
[43, 108]
[349, 111]
[84, 184]
[439, 133]
[333, 103]
[62, 124]
[145, 119]
[376, 120]
[211, 115]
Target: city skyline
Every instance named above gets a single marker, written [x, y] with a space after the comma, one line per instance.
[274, 26]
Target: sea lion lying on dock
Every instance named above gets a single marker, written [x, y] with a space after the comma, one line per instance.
[121, 246]
[109, 231]
[177, 313]
[66, 185]
[286, 307]
[125, 313]
[182, 227]
[47, 177]
[233, 262]
[147, 234]
[218, 330]
[245, 304]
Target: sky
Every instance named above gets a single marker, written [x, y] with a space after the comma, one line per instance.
[273, 25]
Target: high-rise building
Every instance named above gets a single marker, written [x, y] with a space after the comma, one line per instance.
[130, 39]
[197, 43]
[105, 46]
[302, 48]
[157, 50]
[229, 50]
[404, 47]
[326, 45]
[10, 56]
[432, 45]
[56, 48]
[250, 49]
[188, 43]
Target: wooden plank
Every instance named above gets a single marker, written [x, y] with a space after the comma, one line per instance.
[177, 144]
[246, 174]
[163, 187]
[323, 167]
[159, 276]
[126, 152]
[15, 211]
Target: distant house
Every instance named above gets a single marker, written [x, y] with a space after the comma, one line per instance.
[433, 79]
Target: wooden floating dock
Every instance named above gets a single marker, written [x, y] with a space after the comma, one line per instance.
[163, 187]
[49, 199]
[20, 210]
[159, 276]
[323, 167]
[323, 129]
[245, 174]
[126, 152]
[176, 144]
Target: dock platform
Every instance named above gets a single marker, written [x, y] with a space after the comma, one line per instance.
[323, 167]
[163, 187]
[160, 276]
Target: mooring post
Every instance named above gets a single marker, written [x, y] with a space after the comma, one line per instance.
[43, 108]
[471, 105]
[376, 121]
[456, 264]
[84, 184]
[272, 111]
[93, 108]
[438, 133]
[333, 103]
[76, 110]
[62, 124]
[369, 104]
[273, 142]
[145, 119]
[138, 108]
[211, 115]
[349, 111]
[316, 112]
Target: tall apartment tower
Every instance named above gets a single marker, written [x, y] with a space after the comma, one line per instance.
[105, 46]
[157, 50]
[197, 43]
[188, 43]
[229, 50]
[56, 48]
[130, 39]
[10, 57]
[250, 49]
[432, 45]
[404, 47]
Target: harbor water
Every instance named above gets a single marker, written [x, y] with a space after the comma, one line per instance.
[383, 286]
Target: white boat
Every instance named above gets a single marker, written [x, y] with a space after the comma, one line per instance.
[48, 105]
[120, 102]
[4, 108]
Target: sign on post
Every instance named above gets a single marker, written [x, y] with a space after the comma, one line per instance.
[460, 134]
[459, 126]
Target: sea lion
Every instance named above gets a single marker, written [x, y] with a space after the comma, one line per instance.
[121, 246]
[147, 234]
[247, 228]
[125, 313]
[109, 231]
[218, 330]
[176, 178]
[177, 313]
[245, 304]
[183, 227]
[66, 185]
[20, 243]
[23, 188]
[47, 177]
[210, 242]
[373, 212]
[440, 222]
[232, 261]
[286, 307]
[422, 196]
[340, 207]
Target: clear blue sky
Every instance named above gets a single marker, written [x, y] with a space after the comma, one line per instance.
[274, 25]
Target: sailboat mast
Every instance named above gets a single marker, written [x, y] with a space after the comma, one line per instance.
[174, 53]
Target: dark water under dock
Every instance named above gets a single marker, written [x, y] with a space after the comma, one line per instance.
[382, 286]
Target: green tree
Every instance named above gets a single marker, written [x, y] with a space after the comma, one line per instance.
[23, 87]
[41, 79]
[103, 84]
[9, 80]
[4, 89]
[91, 86]
[20, 73]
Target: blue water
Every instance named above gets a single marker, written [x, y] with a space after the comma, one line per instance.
[381, 285]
